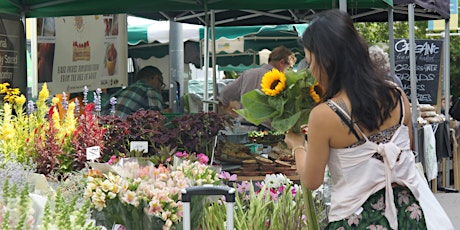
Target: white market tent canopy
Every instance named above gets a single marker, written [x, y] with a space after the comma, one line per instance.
[238, 47]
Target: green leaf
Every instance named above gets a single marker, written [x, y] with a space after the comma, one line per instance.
[312, 219]
[256, 109]
[287, 110]
[292, 77]
[287, 123]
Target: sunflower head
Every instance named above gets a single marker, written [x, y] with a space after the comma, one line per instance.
[315, 92]
[273, 82]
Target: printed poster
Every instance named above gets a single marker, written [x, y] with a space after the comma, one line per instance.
[12, 53]
[78, 51]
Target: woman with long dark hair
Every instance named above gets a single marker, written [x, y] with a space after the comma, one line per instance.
[362, 131]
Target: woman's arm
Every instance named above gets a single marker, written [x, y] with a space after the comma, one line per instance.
[311, 160]
[408, 119]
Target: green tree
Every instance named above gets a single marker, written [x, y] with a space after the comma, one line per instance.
[455, 66]
[377, 32]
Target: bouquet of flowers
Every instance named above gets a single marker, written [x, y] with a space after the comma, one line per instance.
[275, 203]
[143, 196]
[285, 99]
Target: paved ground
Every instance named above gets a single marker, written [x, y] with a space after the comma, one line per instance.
[451, 204]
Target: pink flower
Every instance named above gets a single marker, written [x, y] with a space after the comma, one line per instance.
[354, 219]
[304, 218]
[415, 211]
[243, 187]
[112, 160]
[380, 205]
[403, 197]
[181, 154]
[273, 194]
[226, 176]
[293, 191]
[202, 158]
[259, 185]
[281, 189]
[376, 227]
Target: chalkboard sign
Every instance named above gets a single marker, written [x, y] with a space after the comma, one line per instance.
[428, 66]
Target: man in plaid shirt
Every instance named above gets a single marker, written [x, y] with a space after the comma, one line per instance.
[145, 93]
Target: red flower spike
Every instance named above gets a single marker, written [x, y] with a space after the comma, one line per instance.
[51, 112]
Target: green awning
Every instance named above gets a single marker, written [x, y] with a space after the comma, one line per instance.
[56, 8]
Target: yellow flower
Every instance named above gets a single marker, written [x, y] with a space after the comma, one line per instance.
[20, 100]
[54, 101]
[4, 87]
[44, 93]
[8, 132]
[70, 122]
[273, 82]
[314, 94]
[56, 119]
[14, 91]
[11, 95]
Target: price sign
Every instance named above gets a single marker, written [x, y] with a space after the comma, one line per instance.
[92, 153]
[141, 146]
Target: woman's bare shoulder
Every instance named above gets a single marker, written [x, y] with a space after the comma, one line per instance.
[322, 114]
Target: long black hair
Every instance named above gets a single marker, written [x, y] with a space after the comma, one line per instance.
[343, 54]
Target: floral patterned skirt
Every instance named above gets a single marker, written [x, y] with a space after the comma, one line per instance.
[410, 214]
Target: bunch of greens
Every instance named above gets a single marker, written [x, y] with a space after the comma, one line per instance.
[115, 137]
[196, 132]
[148, 125]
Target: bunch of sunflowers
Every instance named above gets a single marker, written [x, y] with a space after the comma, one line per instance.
[285, 99]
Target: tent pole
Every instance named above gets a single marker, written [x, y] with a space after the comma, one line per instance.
[34, 56]
[391, 49]
[206, 61]
[214, 71]
[446, 68]
[343, 5]
[176, 66]
[413, 77]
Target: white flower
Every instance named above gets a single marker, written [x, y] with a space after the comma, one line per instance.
[273, 181]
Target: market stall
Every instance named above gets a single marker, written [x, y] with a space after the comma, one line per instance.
[103, 189]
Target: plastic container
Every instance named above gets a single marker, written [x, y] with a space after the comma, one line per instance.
[238, 138]
[256, 148]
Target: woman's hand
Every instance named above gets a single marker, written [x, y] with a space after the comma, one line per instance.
[294, 139]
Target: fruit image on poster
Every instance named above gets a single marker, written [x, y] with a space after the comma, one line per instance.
[110, 58]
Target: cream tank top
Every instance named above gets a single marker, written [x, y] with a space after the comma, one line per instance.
[356, 175]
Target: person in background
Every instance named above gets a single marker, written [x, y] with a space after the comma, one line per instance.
[443, 104]
[302, 64]
[362, 132]
[280, 58]
[145, 93]
[381, 60]
[454, 124]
